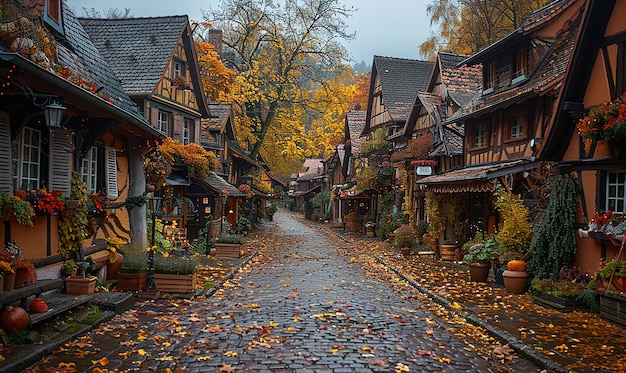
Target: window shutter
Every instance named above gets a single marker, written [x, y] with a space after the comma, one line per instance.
[178, 128]
[196, 131]
[60, 165]
[5, 153]
[110, 161]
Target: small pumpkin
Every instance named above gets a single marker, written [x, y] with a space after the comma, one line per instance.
[14, 319]
[516, 265]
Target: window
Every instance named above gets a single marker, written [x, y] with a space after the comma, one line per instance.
[521, 64]
[179, 68]
[490, 78]
[517, 127]
[26, 159]
[187, 128]
[480, 136]
[52, 15]
[89, 170]
[163, 122]
[615, 191]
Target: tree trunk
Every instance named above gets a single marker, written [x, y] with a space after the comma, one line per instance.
[137, 215]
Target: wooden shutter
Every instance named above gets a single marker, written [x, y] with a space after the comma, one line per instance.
[196, 131]
[6, 159]
[60, 165]
[177, 134]
[110, 160]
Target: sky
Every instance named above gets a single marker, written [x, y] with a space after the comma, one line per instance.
[391, 28]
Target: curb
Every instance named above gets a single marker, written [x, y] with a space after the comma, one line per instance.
[230, 275]
[38, 351]
[520, 347]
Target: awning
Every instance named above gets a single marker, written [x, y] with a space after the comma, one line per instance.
[177, 180]
[218, 184]
[480, 178]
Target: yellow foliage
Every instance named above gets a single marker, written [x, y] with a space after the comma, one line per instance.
[199, 160]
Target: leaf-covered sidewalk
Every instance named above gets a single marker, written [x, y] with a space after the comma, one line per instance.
[579, 341]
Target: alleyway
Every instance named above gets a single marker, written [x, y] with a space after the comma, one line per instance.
[303, 304]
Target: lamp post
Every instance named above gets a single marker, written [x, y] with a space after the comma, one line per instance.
[155, 209]
[223, 197]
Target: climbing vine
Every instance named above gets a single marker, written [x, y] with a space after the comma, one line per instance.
[436, 219]
[72, 228]
[553, 243]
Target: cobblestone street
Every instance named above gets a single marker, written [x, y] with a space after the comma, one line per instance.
[303, 304]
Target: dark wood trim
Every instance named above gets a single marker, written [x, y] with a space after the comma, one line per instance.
[581, 189]
[620, 74]
[620, 37]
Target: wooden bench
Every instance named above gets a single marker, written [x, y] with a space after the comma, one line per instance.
[57, 302]
[428, 254]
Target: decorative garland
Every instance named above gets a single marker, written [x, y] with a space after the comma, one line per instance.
[136, 201]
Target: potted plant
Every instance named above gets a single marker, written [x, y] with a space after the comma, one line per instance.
[115, 246]
[25, 273]
[270, 211]
[479, 257]
[16, 207]
[175, 273]
[562, 293]
[228, 246]
[70, 268]
[607, 273]
[132, 273]
[83, 283]
[405, 239]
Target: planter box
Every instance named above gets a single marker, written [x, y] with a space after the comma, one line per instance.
[558, 303]
[170, 283]
[80, 285]
[613, 306]
[131, 281]
[228, 250]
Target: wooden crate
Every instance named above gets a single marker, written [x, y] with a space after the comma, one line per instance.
[613, 306]
[227, 250]
[77, 285]
[171, 283]
[131, 281]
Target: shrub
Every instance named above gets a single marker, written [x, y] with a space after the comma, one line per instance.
[405, 236]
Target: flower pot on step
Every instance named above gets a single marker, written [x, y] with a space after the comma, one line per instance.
[80, 285]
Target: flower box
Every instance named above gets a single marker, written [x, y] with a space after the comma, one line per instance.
[613, 306]
[131, 281]
[558, 303]
[228, 250]
[77, 285]
[173, 283]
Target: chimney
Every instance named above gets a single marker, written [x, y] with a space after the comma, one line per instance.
[215, 37]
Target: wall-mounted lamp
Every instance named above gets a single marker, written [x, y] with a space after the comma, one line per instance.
[54, 115]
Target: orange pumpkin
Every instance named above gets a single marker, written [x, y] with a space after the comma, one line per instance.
[14, 319]
[516, 265]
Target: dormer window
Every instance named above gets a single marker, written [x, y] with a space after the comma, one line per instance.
[490, 78]
[521, 66]
[179, 69]
[53, 15]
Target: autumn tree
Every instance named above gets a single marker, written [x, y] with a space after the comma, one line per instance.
[282, 53]
[468, 26]
[217, 79]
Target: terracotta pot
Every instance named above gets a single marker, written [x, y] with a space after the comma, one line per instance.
[113, 269]
[515, 281]
[405, 251]
[38, 305]
[20, 277]
[479, 272]
[9, 281]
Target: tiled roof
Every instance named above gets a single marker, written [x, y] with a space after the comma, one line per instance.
[549, 73]
[79, 54]
[401, 79]
[219, 115]
[356, 123]
[138, 49]
[314, 168]
[452, 143]
[461, 83]
[217, 184]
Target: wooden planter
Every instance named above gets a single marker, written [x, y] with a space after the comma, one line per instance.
[131, 281]
[558, 303]
[228, 250]
[171, 283]
[613, 306]
[78, 285]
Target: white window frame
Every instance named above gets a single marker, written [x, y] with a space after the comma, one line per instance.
[517, 126]
[27, 159]
[187, 126]
[163, 122]
[480, 136]
[616, 191]
[89, 169]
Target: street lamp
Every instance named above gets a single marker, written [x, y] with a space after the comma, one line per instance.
[223, 197]
[155, 209]
[54, 115]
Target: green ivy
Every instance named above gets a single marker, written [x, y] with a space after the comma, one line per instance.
[553, 243]
[136, 201]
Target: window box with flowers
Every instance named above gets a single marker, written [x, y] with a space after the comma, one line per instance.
[604, 122]
[181, 82]
[43, 202]
[609, 226]
[16, 207]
